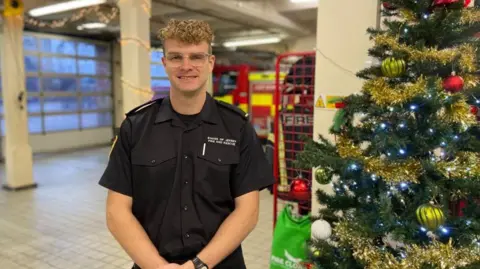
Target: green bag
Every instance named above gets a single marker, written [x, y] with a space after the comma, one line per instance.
[289, 246]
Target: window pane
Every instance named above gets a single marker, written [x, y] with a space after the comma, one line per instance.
[227, 83]
[58, 46]
[61, 122]
[59, 65]
[92, 67]
[33, 104]
[59, 84]
[32, 84]
[92, 120]
[60, 104]
[91, 50]
[2, 126]
[160, 85]
[34, 124]
[1, 106]
[156, 56]
[89, 84]
[31, 63]
[30, 43]
[157, 70]
[96, 102]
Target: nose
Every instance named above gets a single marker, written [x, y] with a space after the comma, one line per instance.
[186, 63]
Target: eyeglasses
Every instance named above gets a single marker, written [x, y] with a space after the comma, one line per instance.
[195, 59]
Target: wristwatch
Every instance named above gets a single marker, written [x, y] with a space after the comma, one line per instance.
[199, 264]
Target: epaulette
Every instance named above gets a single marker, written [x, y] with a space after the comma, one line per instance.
[233, 108]
[142, 106]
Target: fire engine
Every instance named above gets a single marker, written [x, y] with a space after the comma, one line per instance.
[249, 88]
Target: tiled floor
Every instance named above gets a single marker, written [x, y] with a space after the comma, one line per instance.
[61, 224]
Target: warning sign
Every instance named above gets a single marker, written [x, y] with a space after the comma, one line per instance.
[320, 102]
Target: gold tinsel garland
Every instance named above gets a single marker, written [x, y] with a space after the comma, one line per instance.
[402, 171]
[465, 165]
[465, 52]
[469, 16]
[384, 95]
[395, 172]
[437, 253]
[458, 112]
[470, 81]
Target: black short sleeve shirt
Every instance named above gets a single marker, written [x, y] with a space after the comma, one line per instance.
[183, 179]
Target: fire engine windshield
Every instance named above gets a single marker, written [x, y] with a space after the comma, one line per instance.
[225, 83]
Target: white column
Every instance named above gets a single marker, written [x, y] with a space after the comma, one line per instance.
[341, 36]
[18, 153]
[135, 52]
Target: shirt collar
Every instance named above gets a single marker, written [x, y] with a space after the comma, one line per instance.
[209, 112]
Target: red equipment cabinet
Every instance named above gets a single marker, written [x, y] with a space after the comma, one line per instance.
[294, 101]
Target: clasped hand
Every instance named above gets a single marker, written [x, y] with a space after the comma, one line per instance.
[187, 265]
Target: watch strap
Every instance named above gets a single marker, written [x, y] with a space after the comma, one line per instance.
[199, 264]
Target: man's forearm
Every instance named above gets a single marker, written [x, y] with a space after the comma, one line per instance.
[134, 240]
[229, 236]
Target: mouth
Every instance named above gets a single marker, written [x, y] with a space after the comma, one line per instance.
[186, 78]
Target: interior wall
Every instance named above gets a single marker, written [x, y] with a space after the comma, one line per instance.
[350, 28]
[307, 43]
[118, 115]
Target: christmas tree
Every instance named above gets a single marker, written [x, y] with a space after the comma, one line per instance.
[405, 163]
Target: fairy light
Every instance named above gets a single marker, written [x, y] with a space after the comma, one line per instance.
[148, 92]
[105, 18]
[124, 40]
[147, 7]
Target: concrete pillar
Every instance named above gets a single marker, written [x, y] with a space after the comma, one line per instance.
[18, 153]
[135, 52]
[347, 45]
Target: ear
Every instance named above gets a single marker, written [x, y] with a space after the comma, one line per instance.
[211, 61]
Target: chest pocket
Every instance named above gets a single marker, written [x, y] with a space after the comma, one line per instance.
[153, 173]
[215, 167]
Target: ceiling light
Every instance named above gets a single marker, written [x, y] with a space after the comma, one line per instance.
[91, 25]
[250, 42]
[65, 6]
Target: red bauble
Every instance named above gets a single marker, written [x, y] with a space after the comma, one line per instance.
[300, 189]
[453, 83]
[449, 2]
[388, 6]
[474, 110]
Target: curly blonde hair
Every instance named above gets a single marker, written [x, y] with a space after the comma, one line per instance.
[188, 31]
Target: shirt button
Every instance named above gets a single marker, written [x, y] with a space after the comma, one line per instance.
[185, 208]
[185, 156]
[153, 161]
[219, 160]
[186, 182]
[187, 235]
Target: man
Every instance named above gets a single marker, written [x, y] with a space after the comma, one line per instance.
[185, 172]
